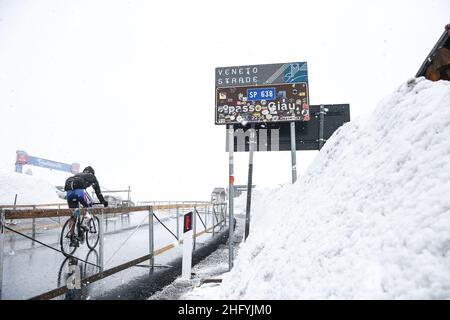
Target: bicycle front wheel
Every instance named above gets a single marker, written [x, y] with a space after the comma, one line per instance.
[93, 234]
[66, 235]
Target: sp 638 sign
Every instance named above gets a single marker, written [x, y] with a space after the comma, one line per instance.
[261, 94]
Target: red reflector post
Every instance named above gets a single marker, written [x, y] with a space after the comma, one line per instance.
[187, 222]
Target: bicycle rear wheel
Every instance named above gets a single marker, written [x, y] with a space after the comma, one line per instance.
[93, 234]
[65, 237]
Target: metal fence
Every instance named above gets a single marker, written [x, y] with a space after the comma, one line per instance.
[209, 218]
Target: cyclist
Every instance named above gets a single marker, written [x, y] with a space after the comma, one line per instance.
[75, 188]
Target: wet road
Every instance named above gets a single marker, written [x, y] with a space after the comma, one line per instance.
[31, 269]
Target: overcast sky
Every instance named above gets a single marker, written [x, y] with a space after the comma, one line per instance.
[128, 86]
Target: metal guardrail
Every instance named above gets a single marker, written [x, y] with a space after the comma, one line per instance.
[52, 213]
[171, 202]
[64, 205]
[217, 211]
[33, 205]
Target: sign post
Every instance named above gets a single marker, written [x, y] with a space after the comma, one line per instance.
[230, 195]
[102, 242]
[151, 239]
[187, 246]
[293, 153]
[2, 222]
[322, 113]
[250, 178]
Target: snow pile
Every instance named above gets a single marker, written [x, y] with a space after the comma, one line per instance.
[258, 192]
[29, 190]
[369, 220]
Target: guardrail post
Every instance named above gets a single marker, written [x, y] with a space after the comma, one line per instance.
[102, 241]
[195, 226]
[33, 229]
[206, 210]
[219, 209]
[219, 220]
[178, 223]
[2, 221]
[207, 214]
[225, 213]
[224, 220]
[212, 218]
[151, 238]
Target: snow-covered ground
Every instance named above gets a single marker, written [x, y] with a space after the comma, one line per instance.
[29, 190]
[370, 219]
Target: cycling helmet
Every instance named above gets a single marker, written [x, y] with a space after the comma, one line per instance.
[89, 169]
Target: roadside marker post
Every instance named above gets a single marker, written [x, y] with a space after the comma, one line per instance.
[187, 246]
[2, 221]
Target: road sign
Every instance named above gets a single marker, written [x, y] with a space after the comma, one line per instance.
[281, 102]
[262, 74]
[262, 93]
[277, 136]
[22, 158]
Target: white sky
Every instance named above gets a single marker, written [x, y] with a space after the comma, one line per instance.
[128, 86]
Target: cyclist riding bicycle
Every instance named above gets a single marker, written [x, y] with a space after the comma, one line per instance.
[75, 188]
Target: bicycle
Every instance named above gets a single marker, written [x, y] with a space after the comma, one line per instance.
[86, 269]
[75, 231]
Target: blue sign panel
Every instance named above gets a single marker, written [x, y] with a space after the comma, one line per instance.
[262, 74]
[261, 94]
[23, 158]
[49, 164]
[296, 72]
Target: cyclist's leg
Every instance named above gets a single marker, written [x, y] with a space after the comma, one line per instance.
[86, 202]
[76, 199]
[72, 233]
[73, 203]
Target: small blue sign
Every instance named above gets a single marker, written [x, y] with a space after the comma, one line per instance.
[261, 94]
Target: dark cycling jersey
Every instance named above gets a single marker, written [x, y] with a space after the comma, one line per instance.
[84, 181]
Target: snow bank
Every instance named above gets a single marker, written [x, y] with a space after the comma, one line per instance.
[258, 192]
[29, 190]
[370, 219]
